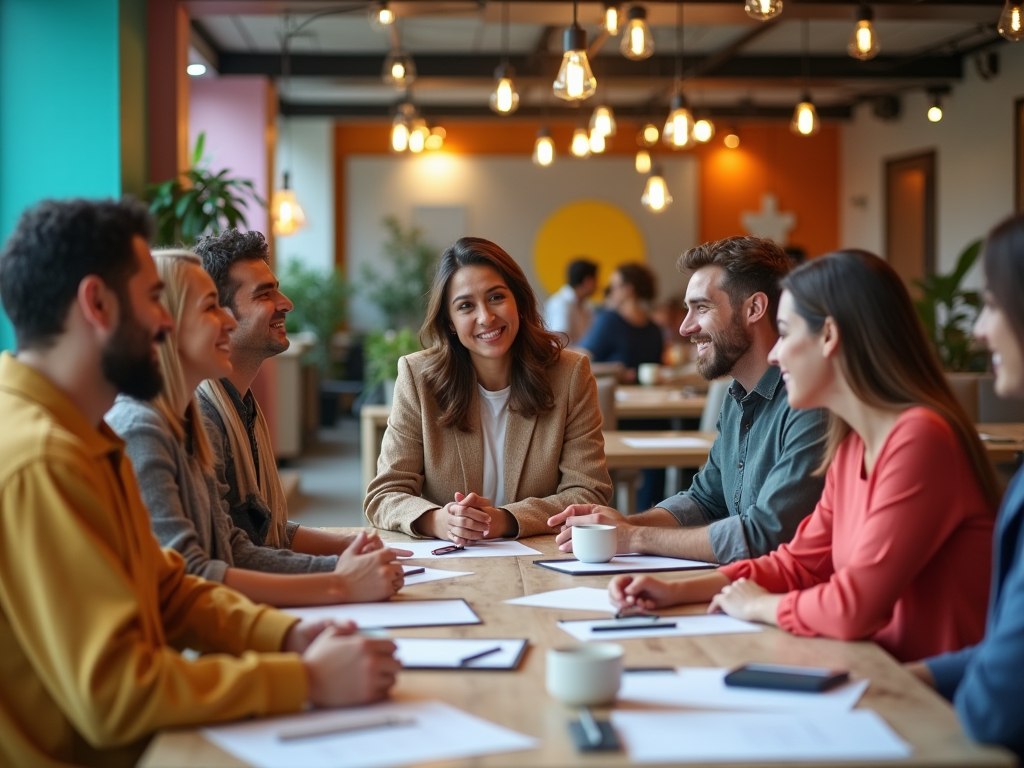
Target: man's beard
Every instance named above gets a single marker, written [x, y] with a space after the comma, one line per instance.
[127, 361]
[727, 347]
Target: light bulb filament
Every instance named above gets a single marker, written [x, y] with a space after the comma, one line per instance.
[636, 40]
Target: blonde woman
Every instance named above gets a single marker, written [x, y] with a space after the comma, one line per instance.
[174, 463]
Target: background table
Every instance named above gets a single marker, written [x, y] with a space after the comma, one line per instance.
[518, 700]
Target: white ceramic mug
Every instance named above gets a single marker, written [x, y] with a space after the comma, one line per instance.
[585, 676]
[593, 543]
[648, 373]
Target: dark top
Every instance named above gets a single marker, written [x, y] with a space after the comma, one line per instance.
[984, 680]
[613, 340]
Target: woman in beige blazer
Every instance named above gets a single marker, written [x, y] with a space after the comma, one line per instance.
[494, 427]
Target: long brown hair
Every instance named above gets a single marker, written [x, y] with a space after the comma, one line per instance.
[449, 373]
[885, 353]
[1004, 271]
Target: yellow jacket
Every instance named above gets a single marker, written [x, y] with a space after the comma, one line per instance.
[93, 613]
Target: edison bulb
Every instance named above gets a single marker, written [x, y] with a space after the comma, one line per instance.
[418, 136]
[762, 10]
[611, 19]
[655, 197]
[1011, 21]
[805, 119]
[643, 161]
[863, 43]
[504, 99]
[399, 69]
[597, 142]
[637, 41]
[732, 141]
[399, 136]
[544, 148]
[575, 81]
[678, 130]
[381, 16]
[703, 130]
[649, 135]
[580, 146]
[603, 121]
[935, 113]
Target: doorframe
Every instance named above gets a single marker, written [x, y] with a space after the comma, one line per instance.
[927, 159]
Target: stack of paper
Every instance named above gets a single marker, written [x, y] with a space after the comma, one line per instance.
[462, 654]
[399, 613]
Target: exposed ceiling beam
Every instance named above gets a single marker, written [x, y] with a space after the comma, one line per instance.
[302, 109]
[729, 52]
[478, 67]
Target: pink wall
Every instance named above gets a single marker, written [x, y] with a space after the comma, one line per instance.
[235, 114]
[238, 114]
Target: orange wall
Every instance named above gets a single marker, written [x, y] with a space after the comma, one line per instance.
[803, 172]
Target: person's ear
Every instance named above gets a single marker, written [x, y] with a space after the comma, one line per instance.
[829, 337]
[98, 304]
[757, 307]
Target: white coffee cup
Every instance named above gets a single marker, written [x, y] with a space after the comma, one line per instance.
[593, 543]
[648, 373]
[584, 676]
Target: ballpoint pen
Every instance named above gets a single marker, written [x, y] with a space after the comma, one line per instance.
[313, 730]
[463, 662]
[447, 550]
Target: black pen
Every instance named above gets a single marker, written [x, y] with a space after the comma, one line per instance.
[412, 570]
[447, 550]
[630, 627]
[475, 656]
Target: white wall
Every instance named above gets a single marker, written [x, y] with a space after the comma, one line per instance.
[974, 148]
[507, 200]
[305, 146]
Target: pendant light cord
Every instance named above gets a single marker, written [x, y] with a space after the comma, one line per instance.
[504, 33]
[806, 30]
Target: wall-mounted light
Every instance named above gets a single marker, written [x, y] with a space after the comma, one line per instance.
[678, 130]
[655, 197]
[703, 130]
[196, 70]
[399, 69]
[603, 121]
[805, 118]
[381, 16]
[285, 209]
[762, 10]
[544, 148]
[637, 41]
[863, 43]
[643, 161]
[1011, 21]
[580, 146]
[575, 80]
[648, 135]
[611, 18]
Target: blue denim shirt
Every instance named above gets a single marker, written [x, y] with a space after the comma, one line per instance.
[757, 485]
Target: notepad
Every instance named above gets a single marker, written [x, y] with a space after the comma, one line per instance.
[701, 624]
[397, 613]
[735, 737]
[624, 564]
[437, 732]
[460, 654]
[433, 574]
[489, 548]
[575, 599]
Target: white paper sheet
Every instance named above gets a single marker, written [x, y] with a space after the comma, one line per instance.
[700, 688]
[489, 548]
[575, 599]
[699, 737]
[627, 564]
[666, 442]
[430, 738]
[432, 574]
[702, 624]
[449, 653]
[399, 613]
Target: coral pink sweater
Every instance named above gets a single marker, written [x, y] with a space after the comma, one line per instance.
[902, 557]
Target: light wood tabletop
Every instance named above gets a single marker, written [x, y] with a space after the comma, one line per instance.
[1005, 441]
[657, 402]
[518, 700]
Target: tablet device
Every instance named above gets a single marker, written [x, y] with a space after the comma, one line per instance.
[786, 678]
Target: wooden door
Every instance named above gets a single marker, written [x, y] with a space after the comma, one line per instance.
[910, 216]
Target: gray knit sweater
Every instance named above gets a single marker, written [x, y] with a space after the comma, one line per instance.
[184, 503]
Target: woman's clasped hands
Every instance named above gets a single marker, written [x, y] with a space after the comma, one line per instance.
[469, 518]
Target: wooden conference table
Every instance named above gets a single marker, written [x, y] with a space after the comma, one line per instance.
[518, 700]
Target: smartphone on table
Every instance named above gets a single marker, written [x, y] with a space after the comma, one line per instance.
[786, 678]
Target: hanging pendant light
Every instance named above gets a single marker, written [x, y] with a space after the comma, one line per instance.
[762, 10]
[401, 126]
[399, 69]
[597, 142]
[703, 130]
[381, 16]
[648, 135]
[504, 99]
[580, 146]
[575, 80]
[655, 197]
[436, 138]
[678, 130]
[611, 18]
[805, 118]
[1011, 21]
[544, 148]
[643, 161]
[288, 214]
[418, 135]
[637, 41]
[935, 110]
[863, 43]
[603, 121]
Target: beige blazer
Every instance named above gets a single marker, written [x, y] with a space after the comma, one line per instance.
[551, 460]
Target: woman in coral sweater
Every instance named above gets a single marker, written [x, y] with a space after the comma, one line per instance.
[898, 549]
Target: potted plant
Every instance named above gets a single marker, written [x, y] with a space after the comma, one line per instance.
[320, 298]
[400, 292]
[383, 349]
[199, 202]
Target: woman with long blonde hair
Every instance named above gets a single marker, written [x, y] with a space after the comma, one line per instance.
[174, 463]
[898, 548]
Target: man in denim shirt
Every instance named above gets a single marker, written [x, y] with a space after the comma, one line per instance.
[757, 484]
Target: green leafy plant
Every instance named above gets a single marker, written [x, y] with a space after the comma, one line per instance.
[199, 202]
[383, 348]
[321, 299]
[400, 293]
[947, 311]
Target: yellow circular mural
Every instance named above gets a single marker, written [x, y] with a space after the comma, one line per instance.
[593, 229]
